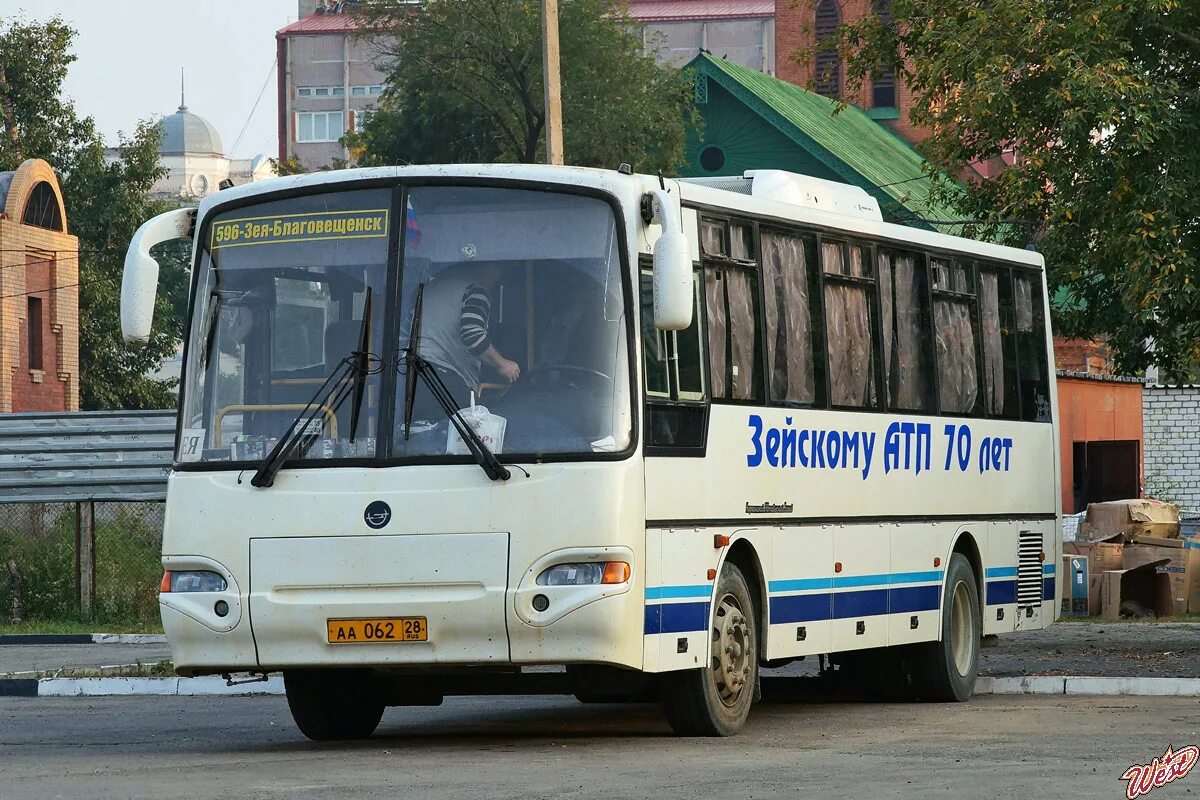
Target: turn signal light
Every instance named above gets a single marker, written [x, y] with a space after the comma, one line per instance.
[585, 574]
[192, 581]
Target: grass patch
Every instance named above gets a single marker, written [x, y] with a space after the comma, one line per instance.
[162, 669]
[74, 625]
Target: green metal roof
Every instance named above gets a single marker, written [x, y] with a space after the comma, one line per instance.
[849, 143]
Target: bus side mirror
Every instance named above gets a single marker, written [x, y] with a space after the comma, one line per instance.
[673, 288]
[139, 281]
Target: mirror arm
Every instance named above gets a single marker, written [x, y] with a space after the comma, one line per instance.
[139, 281]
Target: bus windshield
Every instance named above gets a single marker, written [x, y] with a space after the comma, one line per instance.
[523, 313]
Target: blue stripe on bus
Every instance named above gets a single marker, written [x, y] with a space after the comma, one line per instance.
[667, 592]
[851, 581]
[1048, 569]
[676, 617]
[1001, 592]
[1048, 589]
[844, 605]
[1000, 572]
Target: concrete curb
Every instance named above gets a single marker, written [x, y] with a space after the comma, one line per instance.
[82, 638]
[1083, 685]
[213, 686]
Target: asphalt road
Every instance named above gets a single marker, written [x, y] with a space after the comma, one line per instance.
[531, 748]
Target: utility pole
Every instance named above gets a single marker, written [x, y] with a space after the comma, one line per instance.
[550, 71]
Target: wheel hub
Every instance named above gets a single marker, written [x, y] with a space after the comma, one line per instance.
[732, 650]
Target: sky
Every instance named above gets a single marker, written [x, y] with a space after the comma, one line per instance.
[130, 52]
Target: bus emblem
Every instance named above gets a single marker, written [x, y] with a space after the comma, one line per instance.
[377, 515]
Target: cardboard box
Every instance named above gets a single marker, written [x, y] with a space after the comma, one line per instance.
[1103, 556]
[1142, 588]
[1075, 586]
[1129, 518]
[1176, 565]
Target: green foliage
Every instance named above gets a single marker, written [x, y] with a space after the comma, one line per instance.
[465, 85]
[1099, 97]
[105, 204]
[40, 540]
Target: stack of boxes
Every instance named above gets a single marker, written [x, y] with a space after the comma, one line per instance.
[1132, 558]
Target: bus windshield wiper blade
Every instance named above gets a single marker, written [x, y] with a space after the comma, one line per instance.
[332, 393]
[416, 366]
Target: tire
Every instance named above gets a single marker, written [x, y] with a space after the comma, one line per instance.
[700, 702]
[945, 671]
[334, 704]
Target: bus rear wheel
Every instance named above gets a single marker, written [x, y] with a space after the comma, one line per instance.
[716, 700]
[333, 704]
[946, 670]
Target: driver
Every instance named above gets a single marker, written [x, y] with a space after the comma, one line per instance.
[456, 311]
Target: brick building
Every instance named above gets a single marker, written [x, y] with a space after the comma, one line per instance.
[39, 294]
[1172, 415]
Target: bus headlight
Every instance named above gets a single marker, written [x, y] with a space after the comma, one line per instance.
[585, 574]
[192, 581]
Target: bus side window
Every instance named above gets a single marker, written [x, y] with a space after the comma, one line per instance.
[731, 305]
[849, 283]
[676, 411]
[954, 318]
[1031, 349]
[905, 324]
[792, 337]
[998, 328]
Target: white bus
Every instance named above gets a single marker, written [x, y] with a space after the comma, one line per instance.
[502, 429]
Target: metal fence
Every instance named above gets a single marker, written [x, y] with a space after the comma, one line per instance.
[81, 514]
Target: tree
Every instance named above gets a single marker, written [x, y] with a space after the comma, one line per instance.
[106, 200]
[465, 85]
[1099, 98]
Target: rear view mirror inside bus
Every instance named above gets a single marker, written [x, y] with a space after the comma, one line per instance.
[672, 268]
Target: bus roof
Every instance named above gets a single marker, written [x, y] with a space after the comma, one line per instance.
[708, 196]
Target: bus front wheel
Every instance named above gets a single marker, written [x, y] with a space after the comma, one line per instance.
[945, 670]
[333, 704]
[715, 700]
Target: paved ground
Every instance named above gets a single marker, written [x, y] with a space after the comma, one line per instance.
[52, 657]
[1162, 650]
[554, 747]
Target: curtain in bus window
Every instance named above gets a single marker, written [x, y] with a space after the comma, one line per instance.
[848, 332]
[740, 289]
[906, 351]
[712, 238]
[788, 318]
[741, 242]
[1024, 305]
[993, 345]
[718, 329]
[958, 373]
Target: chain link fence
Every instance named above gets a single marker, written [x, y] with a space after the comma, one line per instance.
[90, 560]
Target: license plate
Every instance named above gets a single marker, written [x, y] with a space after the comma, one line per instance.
[377, 630]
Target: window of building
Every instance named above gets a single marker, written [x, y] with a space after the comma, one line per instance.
[362, 118]
[319, 126]
[33, 324]
[366, 91]
[849, 325]
[320, 91]
[828, 62]
[41, 209]
[883, 87]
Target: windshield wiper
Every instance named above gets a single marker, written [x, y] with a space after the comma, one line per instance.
[331, 395]
[416, 366]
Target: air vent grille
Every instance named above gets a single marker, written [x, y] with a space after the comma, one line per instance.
[1029, 569]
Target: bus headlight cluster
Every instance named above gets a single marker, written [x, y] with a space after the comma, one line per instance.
[585, 574]
[192, 581]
